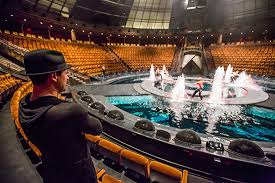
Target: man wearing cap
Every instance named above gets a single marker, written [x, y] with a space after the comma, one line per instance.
[55, 126]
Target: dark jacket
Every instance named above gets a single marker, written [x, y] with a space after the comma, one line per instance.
[56, 127]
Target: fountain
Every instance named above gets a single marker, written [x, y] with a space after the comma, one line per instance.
[245, 80]
[228, 74]
[216, 95]
[152, 73]
[227, 80]
[178, 92]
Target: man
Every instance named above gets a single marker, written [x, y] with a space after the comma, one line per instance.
[55, 126]
[199, 85]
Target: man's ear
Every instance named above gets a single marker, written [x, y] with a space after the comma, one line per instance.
[53, 76]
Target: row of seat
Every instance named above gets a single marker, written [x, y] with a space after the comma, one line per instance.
[139, 57]
[255, 59]
[74, 53]
[134, 162]
[8, 85]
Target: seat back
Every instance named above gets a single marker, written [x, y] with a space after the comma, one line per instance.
[109, 179]
[163, 173]
[109, 150]
[135, 162]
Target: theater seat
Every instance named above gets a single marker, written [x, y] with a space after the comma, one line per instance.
[93, 141]
[135, 162]
[162, 173]
[109, 179]
[109, 150]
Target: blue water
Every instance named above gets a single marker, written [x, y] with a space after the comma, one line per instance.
[250, 122]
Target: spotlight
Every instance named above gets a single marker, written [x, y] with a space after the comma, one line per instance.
[64, 27]
[41, 23]
[51, 26]
[118, 35]
[25, 20]
[11, 15]
[76, 24]
[101, 33]
[83, 31]
[230, 33]
[212, 35]
[6, 20]
[133, 36]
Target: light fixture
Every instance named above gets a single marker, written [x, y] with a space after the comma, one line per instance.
[101, 33]
[133, 36]
[25, 20]
[72, 30]
[230, 33]
[161, 37]
[41, 23]
[110, 35]
[176, 37]
[197, 37]
[147, 36]
[76, 24]
[241, 33]
[139, 36]
[6, 20]
[11, 15]
[212, 35]
[90, 32]
[64, 27]
[51, 26]
[83, 31]
[154, 37]
[125, 36]
[168, 37]
[118, 35]
[252, 31]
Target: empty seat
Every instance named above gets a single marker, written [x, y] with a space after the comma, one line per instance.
[135, 162]
[162, 173]
[93, 141]
[109, 150]
[109, 179]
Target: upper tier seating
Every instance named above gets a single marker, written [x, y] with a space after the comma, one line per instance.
[141, 57]
[84, 57]
[8, 85]
[256, 59]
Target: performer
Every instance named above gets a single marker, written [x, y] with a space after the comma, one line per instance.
[199, 85]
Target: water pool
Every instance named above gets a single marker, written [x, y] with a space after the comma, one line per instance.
[234, 121]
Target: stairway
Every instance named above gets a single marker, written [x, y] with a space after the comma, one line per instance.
[116, 57]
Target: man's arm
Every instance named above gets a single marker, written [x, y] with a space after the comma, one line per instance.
[92, 125]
